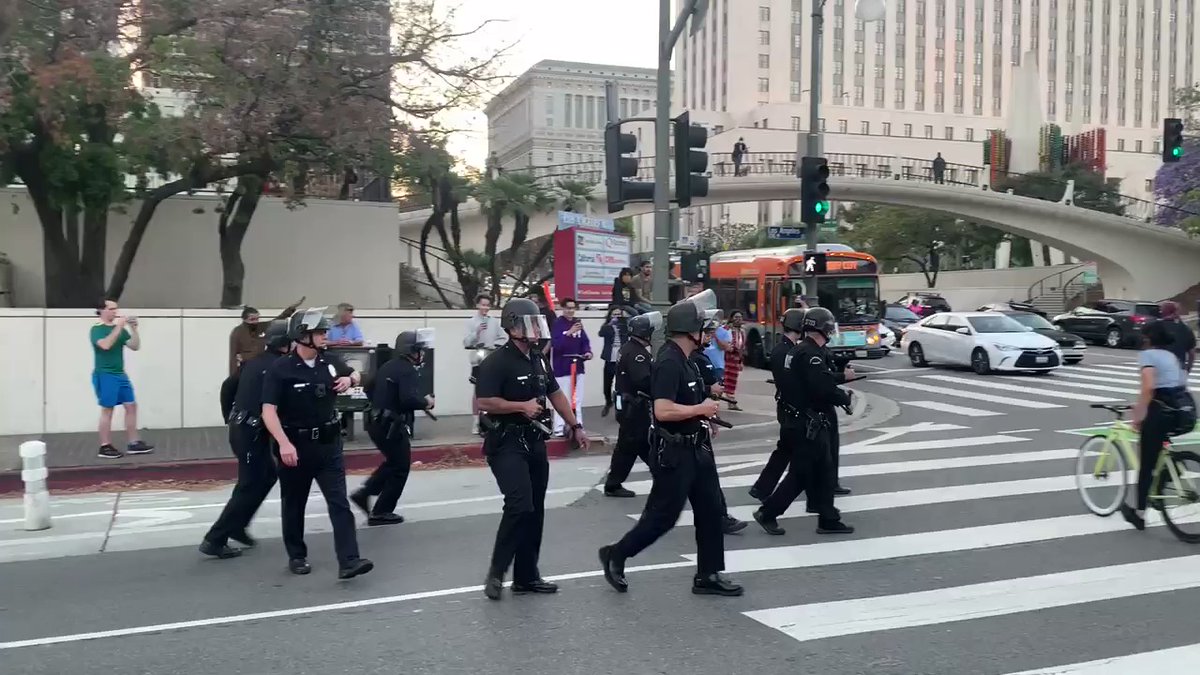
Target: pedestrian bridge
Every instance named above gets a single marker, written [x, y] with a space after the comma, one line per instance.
[1134, 258]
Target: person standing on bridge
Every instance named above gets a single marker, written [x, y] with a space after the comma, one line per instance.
[939, 169]
[739, 153]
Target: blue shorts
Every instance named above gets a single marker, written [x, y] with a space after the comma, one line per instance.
[112, 389]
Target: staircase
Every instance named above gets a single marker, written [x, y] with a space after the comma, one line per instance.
[1059, 291]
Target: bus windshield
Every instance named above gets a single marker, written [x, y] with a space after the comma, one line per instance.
[851, 299]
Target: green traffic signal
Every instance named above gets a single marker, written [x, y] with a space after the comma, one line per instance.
[1177, 152]
[821, 207]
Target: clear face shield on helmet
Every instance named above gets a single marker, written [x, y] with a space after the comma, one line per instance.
[314, 320]
[425, 339]
[533, 328]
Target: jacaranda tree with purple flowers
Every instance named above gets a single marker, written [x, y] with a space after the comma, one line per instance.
[1177, 184]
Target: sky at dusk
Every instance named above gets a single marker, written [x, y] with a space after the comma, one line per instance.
[617, 32]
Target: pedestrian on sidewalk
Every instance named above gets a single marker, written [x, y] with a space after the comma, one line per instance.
[395, 396]
[614, 334]
[251, 444]
[513, 390]
[570, 349]
[735, 355]
[681, 463]
[298, 409]
[109, 339]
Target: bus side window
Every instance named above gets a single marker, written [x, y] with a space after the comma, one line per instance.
[747, 296]
[726, 290]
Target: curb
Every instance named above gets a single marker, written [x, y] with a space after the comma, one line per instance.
[226, 468]
[874, 409]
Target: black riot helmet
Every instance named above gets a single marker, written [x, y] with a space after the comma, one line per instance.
[685, 318]
[820, 320]
[643, 326]
[793, 320]
[304, 323]
[524, 316]
[276, 336]
[407, 343]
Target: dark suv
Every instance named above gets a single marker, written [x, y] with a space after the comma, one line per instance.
[924, 304]
[1113, 323]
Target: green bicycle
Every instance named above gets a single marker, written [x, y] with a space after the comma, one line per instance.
[1108, 463]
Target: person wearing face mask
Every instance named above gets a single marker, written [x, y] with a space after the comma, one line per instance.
[514, 390]
[395, 395]
[246, 342]
[681, 462]
[614, 333]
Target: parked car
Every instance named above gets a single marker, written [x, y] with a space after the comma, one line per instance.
[924, 304]
[897, 318]
[1011, 306]
[1113, 323]
[1072, 346]
[985, 341]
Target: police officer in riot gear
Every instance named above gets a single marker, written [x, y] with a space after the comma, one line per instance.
[513, 390]
[251, 445]
[681, 462]
[708, 374]
[298, 409]
[394, 398]
[792, 322]
[807, 389]
[842, 373]
[633, 403]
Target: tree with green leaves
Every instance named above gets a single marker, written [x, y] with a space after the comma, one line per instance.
[918, 239]
[1091, 190]
[1175, 183]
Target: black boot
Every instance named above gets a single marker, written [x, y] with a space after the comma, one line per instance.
[538, 585]
[356, 568]
[731, 525]
[493, 586]
[385, 519]
[619, 491]
[223, 552]
[715, 584]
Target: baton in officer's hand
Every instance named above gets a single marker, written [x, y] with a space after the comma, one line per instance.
[720, 422]
[430, 415]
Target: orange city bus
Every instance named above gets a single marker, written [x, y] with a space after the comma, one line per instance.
[765, 282]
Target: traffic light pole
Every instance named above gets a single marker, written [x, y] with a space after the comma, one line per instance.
[668, 35]
[813, 148]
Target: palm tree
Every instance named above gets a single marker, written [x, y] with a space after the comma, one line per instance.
[514, 195]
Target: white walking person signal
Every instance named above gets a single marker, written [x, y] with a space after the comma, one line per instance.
[810, 265]
[869, 10]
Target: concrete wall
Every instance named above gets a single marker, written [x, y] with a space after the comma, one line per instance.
[331, 251]
[177, 374]
[967, 289]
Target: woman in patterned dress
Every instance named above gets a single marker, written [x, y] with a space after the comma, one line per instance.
[735, 356]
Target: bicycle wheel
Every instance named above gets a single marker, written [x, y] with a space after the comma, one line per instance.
[1180, 503]
[1103, 490]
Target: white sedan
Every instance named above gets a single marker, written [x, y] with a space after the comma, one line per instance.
[986, 341]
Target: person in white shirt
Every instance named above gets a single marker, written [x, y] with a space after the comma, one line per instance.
[484, 332]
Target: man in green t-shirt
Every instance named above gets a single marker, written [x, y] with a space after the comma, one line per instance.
[109, 339]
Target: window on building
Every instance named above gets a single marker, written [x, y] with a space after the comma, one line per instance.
[865, 128]
[908, 130]
[567, 109]
[1137, 146]
[591, 112]
[970, 134]
[764, 37]
[887, 128]
[949, 133]
[764, 85]
[842, 126]
[764, 14]
[928, 131]
[1120, 145]
[764, 60]
[796, 124]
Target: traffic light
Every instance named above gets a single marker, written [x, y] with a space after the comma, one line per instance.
[690, 160]
[618, 168]
[814, 190]
[1172, 140]
[694, 267]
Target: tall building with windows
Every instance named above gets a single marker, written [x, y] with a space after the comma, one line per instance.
[935, 75]
[554, 113]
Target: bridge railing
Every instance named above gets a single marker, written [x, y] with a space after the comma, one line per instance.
[722, 165]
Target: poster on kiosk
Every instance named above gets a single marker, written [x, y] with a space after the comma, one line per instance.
[588, 256]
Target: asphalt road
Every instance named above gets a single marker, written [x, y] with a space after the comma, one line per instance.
[973, 555]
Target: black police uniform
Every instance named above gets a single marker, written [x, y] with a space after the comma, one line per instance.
[708, 375]
[835, 437]
[251, 444]
[633, 415]
[516, 454]
[682, 464]
[304, 398]
[777, 463]
[229, 388]
[395, 395]
[808, 390]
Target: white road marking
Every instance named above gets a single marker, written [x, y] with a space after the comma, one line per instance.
[972, 395]
[1016, 388]
[952, 409]
[1147, 662]
[922, 497]
[908, 466]
[865, 448]
[996, 598]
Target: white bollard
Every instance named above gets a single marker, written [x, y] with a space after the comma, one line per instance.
[34, 473]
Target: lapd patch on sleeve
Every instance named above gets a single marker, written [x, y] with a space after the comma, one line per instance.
[639, 358]
[815, 361]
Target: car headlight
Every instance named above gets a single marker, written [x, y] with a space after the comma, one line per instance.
[1007, 348]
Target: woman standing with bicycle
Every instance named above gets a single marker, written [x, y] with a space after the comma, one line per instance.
[1158, 411]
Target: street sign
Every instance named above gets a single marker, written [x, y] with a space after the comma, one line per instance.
[568, 220]
[785, 232]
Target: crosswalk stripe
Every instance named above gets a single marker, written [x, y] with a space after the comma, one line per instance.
[845, 551]
[1145, 662]
[972, 395]
[870, 447]
[996, 598]
[1126, 391]
[879, 501]
[1082, 375]
[1016, 388]
[909, 466]
[1113, 366]
[952, 409]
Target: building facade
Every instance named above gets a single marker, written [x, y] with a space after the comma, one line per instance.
[554, 114]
